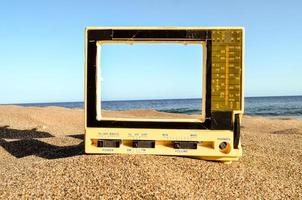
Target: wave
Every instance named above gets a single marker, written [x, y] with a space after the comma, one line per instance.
[181, 110]
[276, 113]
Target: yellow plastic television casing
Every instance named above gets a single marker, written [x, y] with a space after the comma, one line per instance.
[216, 136]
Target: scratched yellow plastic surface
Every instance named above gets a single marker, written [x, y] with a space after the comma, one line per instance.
[208, 149]
[226, 70]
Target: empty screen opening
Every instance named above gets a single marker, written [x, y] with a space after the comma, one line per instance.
[150, 81]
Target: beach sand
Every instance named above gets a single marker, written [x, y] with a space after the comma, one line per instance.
[146, 114]
[41, 156]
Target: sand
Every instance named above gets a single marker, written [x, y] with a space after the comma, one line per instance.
[146, 114]
[41, 157]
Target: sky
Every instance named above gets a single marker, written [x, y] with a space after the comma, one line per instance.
[42, 42]
[151, 71]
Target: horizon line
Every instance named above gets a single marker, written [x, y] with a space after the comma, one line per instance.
[137, 100]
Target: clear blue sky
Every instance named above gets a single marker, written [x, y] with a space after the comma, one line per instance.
[41, 42]
[151, 71]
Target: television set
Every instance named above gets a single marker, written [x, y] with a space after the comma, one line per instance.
[164, 91]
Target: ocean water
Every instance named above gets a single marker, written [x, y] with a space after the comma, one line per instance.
[290, 106]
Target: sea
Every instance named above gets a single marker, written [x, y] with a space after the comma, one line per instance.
[285, 106]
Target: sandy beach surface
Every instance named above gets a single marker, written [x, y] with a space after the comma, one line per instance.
[146, 114]
[41, 157]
